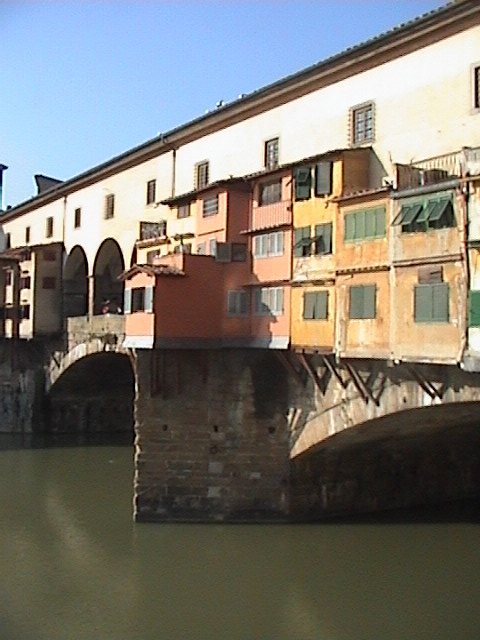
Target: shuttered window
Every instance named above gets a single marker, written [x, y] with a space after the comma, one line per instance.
[431, 302]
[303, 183]
[364, 224]
[268, 244]
[323, 238]
[268, 301]
[148, 307]
[363, 302]
[210, 206]
[237, 303]
[270, 193]
[323, 178]
[303, 242]
[315, 305]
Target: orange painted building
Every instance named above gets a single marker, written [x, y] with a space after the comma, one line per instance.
[270, 231]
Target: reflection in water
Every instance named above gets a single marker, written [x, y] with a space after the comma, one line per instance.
[75, 566]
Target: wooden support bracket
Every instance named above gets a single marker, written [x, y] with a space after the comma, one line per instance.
[311, 372]
[362, 388]
[333, 370]
[282, 357]
[426, 385]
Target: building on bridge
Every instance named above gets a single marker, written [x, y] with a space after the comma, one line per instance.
[329, 220]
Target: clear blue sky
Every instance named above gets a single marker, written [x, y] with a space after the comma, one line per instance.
[84, 81]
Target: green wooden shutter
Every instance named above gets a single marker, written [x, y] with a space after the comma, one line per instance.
[370, 220]
[297, 249]
[422, 305]
[359, 225]
[325, 230]
[127, 301]
[440, 300]
[349, 227]
[356, 302]
[303, 183]
[474, 309]
[380, 222]
[323, 178]
[308, 306]
[321, 305]
[369, 301]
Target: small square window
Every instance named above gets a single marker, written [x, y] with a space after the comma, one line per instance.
[49, 227]
[237, 303]
[151, 189]
[210, 206]
[271, 154]
[362, 302]
[362, 123]
[183, 211]
[109, 206]
[315, 305]
[77, 218]
[201, 175]
[270, 193]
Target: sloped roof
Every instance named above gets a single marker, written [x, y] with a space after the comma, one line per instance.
[151, 270]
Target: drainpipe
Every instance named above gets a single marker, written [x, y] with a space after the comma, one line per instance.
[174, 170]
[3, 167]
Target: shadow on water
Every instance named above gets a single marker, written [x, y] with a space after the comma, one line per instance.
[65, 440]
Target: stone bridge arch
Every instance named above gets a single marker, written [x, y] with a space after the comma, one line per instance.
[370, 437]
[61, 361]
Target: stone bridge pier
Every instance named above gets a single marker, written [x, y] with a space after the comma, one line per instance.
[251, 435]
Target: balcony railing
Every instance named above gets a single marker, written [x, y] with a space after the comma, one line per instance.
[271, 215]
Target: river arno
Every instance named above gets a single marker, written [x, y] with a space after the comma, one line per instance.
[74, 566]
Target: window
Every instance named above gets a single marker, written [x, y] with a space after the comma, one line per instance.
[8, 240]
[138, 299]
[24, 312]
[303, 242]
[303, 183]
[268, 301]
[323, 239]
[271, 154]
[151, 255]
[362, 123]
[77, 218]
[239, 252]
[8, 277]
[109, 206]
[323, 178]
[212, 247]
[315, 305]
[365, 224]
[183, 211]
[27, 235]
[25, 282]
[183, 248]
[201, 175]
[201, 248]
[151, 189]
[49, 227]
[270, 193]
[431, 302]
[237, 303]
[48, 283]
[476, 87]
[422, 216]
[362, 302]
[268, 244]
[210, 206]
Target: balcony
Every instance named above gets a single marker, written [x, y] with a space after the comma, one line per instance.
[268, 216]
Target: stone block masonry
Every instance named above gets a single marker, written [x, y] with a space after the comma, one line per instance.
[212, 442]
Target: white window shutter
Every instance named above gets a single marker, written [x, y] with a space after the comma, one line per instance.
[127, 301]
[149, 299]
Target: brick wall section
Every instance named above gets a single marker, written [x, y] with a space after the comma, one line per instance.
[211, 437]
